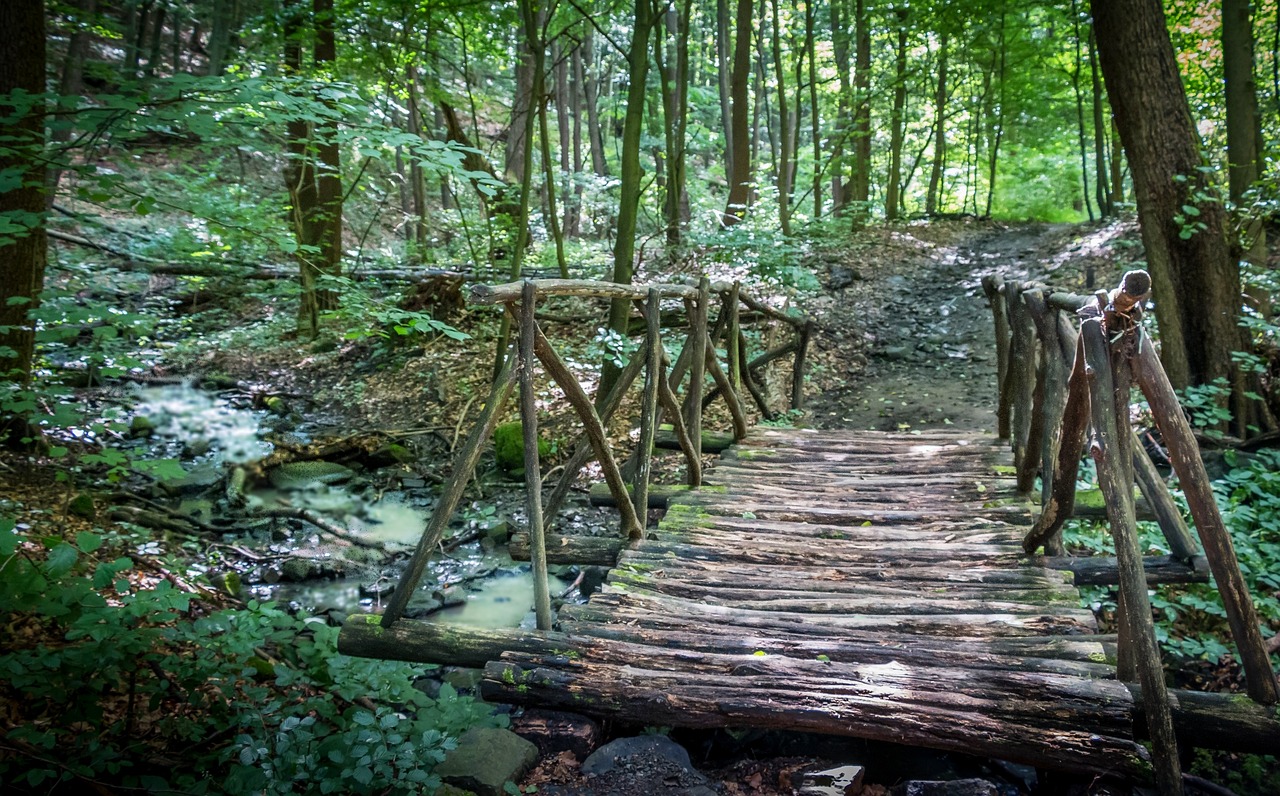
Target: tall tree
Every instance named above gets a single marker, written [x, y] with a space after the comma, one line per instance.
[1106, 204]
[740, 132]
[932, 199]
[893, 198]
[860, 185]
[1195, 280]
[1244, 140]
[22, 202]
[624, 248]
[786, 145]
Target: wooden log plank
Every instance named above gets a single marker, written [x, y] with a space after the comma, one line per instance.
[1103, 570]
[509, 292]
[905, 709]
[594, 550]
[712, 441]
[838, 514]
[658, 497]
[991, 286]
[1059, 620]
[1075, 421]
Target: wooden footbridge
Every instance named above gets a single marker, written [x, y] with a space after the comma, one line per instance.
[875, 585]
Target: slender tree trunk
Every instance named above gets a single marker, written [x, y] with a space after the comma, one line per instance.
[1117, 163]
[893, 201]
[624, 249]
[1106, 206]
[860, 189]
[157, 34]
[22, 252]
[224, 20]
[1244, 140]
[840, 49]
[1195, 280]
[590, 93]
[521, 124]
[815, 126]
[996, 126]
[1077, 67]
[70, 87]
[329, 172]
[784, 127]
[724, 76]
[740, 135]
[417, 179]
[560, 60]
[932, 200]
[573, 222]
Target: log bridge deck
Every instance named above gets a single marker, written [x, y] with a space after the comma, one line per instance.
[854, 583]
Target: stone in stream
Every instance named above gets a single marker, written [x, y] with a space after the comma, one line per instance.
[955, 787]
[556, 731]
[644, 756]
[485, 759]
[298, 475]
[838, 781]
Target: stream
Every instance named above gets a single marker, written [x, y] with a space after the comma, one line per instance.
[295, 563]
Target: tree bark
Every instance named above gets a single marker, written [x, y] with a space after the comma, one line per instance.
[932, 201]
[783, 173]
[1106, 203]
[840, 49]
[860, 189]
[591, 95]
[893, 199]
[1196, 281]
[1244, 141]
[740, 134]
[22, 253]
[624, 249]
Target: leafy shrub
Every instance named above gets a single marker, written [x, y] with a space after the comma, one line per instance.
[123, 683]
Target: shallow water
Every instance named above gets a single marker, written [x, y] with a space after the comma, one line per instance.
[186, 416]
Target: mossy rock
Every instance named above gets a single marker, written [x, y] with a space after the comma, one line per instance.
[297, 475]
[141, 426]
[508, 447]
[82, 505]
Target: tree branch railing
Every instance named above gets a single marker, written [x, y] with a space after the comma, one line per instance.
[660, 396]
[1060, 389]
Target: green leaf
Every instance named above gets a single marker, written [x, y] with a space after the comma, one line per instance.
[61, 559]
[88, 542]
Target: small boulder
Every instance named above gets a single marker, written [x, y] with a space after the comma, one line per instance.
[955, 787]
[141, 426]
[485, 759]
[609, 756]
[298, 475]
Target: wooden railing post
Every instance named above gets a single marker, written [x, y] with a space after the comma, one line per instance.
[1109, 389]
[463, 466]
[697, 364]
[532, 463]
[649, 406]
[733, 336]
[1021, 380]
[1053, 380]
[805, 332]
[1260, 680]
[1062, 494]
[993, 286]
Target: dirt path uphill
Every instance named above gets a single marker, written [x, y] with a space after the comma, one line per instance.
[906, 340]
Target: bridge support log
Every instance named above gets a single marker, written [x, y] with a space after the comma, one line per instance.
[1206, 720]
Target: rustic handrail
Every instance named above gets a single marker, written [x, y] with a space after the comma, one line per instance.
[1112, 349]
[699, 356]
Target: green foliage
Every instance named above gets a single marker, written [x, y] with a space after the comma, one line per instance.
[366, 315]
[250, 701]
[1192, 620]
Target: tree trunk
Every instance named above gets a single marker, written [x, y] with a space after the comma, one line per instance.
[573, 220]
[70, 87]
[893, 201]
[624, 249]
[224, 14]
[740, 134]
[815, 127]
[840, 49]
[1077, 67]
[591, 95]
[560, 61]
[329, 171]
[723, 75]
[22, 253]
[995, 128]
[932, 200]
[784, 128]
[1196, 281]
[1106, 205]
[860, 189]
[1244, 142]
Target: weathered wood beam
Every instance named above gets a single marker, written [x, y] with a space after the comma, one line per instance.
[1104, 571]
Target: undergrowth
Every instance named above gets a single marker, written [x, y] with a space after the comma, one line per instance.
[114, 678]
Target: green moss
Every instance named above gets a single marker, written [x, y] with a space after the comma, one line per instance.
[82, 505]
[508, 447]
[509, 676]
[1090, 498]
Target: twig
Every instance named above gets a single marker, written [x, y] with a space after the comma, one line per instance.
[329, 527]
[458, 428]
[576, 583]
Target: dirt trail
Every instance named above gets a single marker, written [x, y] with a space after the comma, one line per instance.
[924, 322]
